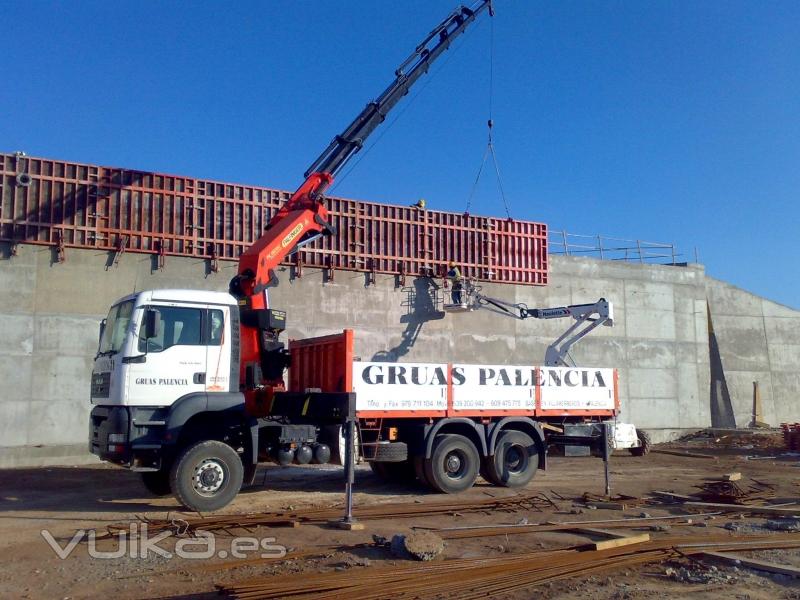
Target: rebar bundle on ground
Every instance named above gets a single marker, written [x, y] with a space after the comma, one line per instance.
[476, 578]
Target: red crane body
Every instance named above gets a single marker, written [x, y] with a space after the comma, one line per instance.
[301, 217]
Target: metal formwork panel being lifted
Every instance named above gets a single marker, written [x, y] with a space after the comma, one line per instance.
[65, 204]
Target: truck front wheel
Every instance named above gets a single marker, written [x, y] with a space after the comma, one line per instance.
[515, 460]
[206, 476]
[453, 465]
[156, 482]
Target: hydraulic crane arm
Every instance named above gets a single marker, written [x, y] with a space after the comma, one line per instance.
[415, 66]
[304, 217]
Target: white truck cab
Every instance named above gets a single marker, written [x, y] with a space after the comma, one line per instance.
[164, 356]
[189, 350]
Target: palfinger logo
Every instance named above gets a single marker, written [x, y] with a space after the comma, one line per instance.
[137, 542]
[291, 235]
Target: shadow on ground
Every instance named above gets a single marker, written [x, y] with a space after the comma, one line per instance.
[106, 489]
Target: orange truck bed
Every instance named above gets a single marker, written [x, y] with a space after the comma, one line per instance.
[410, 390]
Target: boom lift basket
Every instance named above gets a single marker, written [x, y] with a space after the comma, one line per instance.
[469, 299]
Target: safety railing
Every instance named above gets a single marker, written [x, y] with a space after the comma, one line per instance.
[613, 248]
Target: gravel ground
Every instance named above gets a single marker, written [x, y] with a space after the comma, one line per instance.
[65, 500]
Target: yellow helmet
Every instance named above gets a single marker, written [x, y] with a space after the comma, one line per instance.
[451, 264]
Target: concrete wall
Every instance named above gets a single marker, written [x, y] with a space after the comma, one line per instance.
[759, 341]
[49, 316]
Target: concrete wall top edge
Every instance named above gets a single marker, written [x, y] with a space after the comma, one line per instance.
[774, 308]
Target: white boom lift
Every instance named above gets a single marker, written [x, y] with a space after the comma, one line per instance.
[587, 317]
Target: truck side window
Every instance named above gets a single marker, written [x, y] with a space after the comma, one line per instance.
[177, 327]
[217, 327]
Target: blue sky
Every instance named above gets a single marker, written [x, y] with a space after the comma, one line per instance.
[666, 121]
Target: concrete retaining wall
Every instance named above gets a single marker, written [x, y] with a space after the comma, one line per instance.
[759, 341]
[49, 316]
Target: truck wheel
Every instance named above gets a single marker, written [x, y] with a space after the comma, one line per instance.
[156, 482]
[453, 465]
[644, 438]
[515, 460]
[206, 476]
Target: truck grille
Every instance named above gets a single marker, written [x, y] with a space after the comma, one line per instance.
[101, 384]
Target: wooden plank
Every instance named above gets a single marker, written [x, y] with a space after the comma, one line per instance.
[763, 510]
[684, 454]
[619, 542]
[760, 565]
[731, 477]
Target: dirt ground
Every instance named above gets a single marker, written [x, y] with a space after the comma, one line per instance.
[63, 500]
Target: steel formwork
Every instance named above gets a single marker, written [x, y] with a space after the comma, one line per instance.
[64, 204]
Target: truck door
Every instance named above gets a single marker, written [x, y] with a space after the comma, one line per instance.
[173, 363]
[218, 353]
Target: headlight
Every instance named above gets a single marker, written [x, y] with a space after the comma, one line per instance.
[117, 438]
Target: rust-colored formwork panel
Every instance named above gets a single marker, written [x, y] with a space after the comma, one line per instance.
[65, 204]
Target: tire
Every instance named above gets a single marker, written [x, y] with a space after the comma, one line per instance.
[206, 476]
[515, 460]
[157, 482]
[393, 452]
[453, 465]
[644, 449]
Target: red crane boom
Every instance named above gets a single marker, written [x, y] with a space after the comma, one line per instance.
[304, 218]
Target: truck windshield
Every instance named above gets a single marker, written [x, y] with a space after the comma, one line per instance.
[119, 317]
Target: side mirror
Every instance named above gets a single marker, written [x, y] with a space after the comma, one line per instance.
[151, 321]
[101, 332]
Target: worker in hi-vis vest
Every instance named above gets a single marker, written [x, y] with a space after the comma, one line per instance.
[454, 275]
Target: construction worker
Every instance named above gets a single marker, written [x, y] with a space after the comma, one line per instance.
[454, 276]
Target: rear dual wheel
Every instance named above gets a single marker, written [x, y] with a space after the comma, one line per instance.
[453, 465]
[514, 462]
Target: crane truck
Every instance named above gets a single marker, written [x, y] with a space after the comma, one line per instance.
[190, 387]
